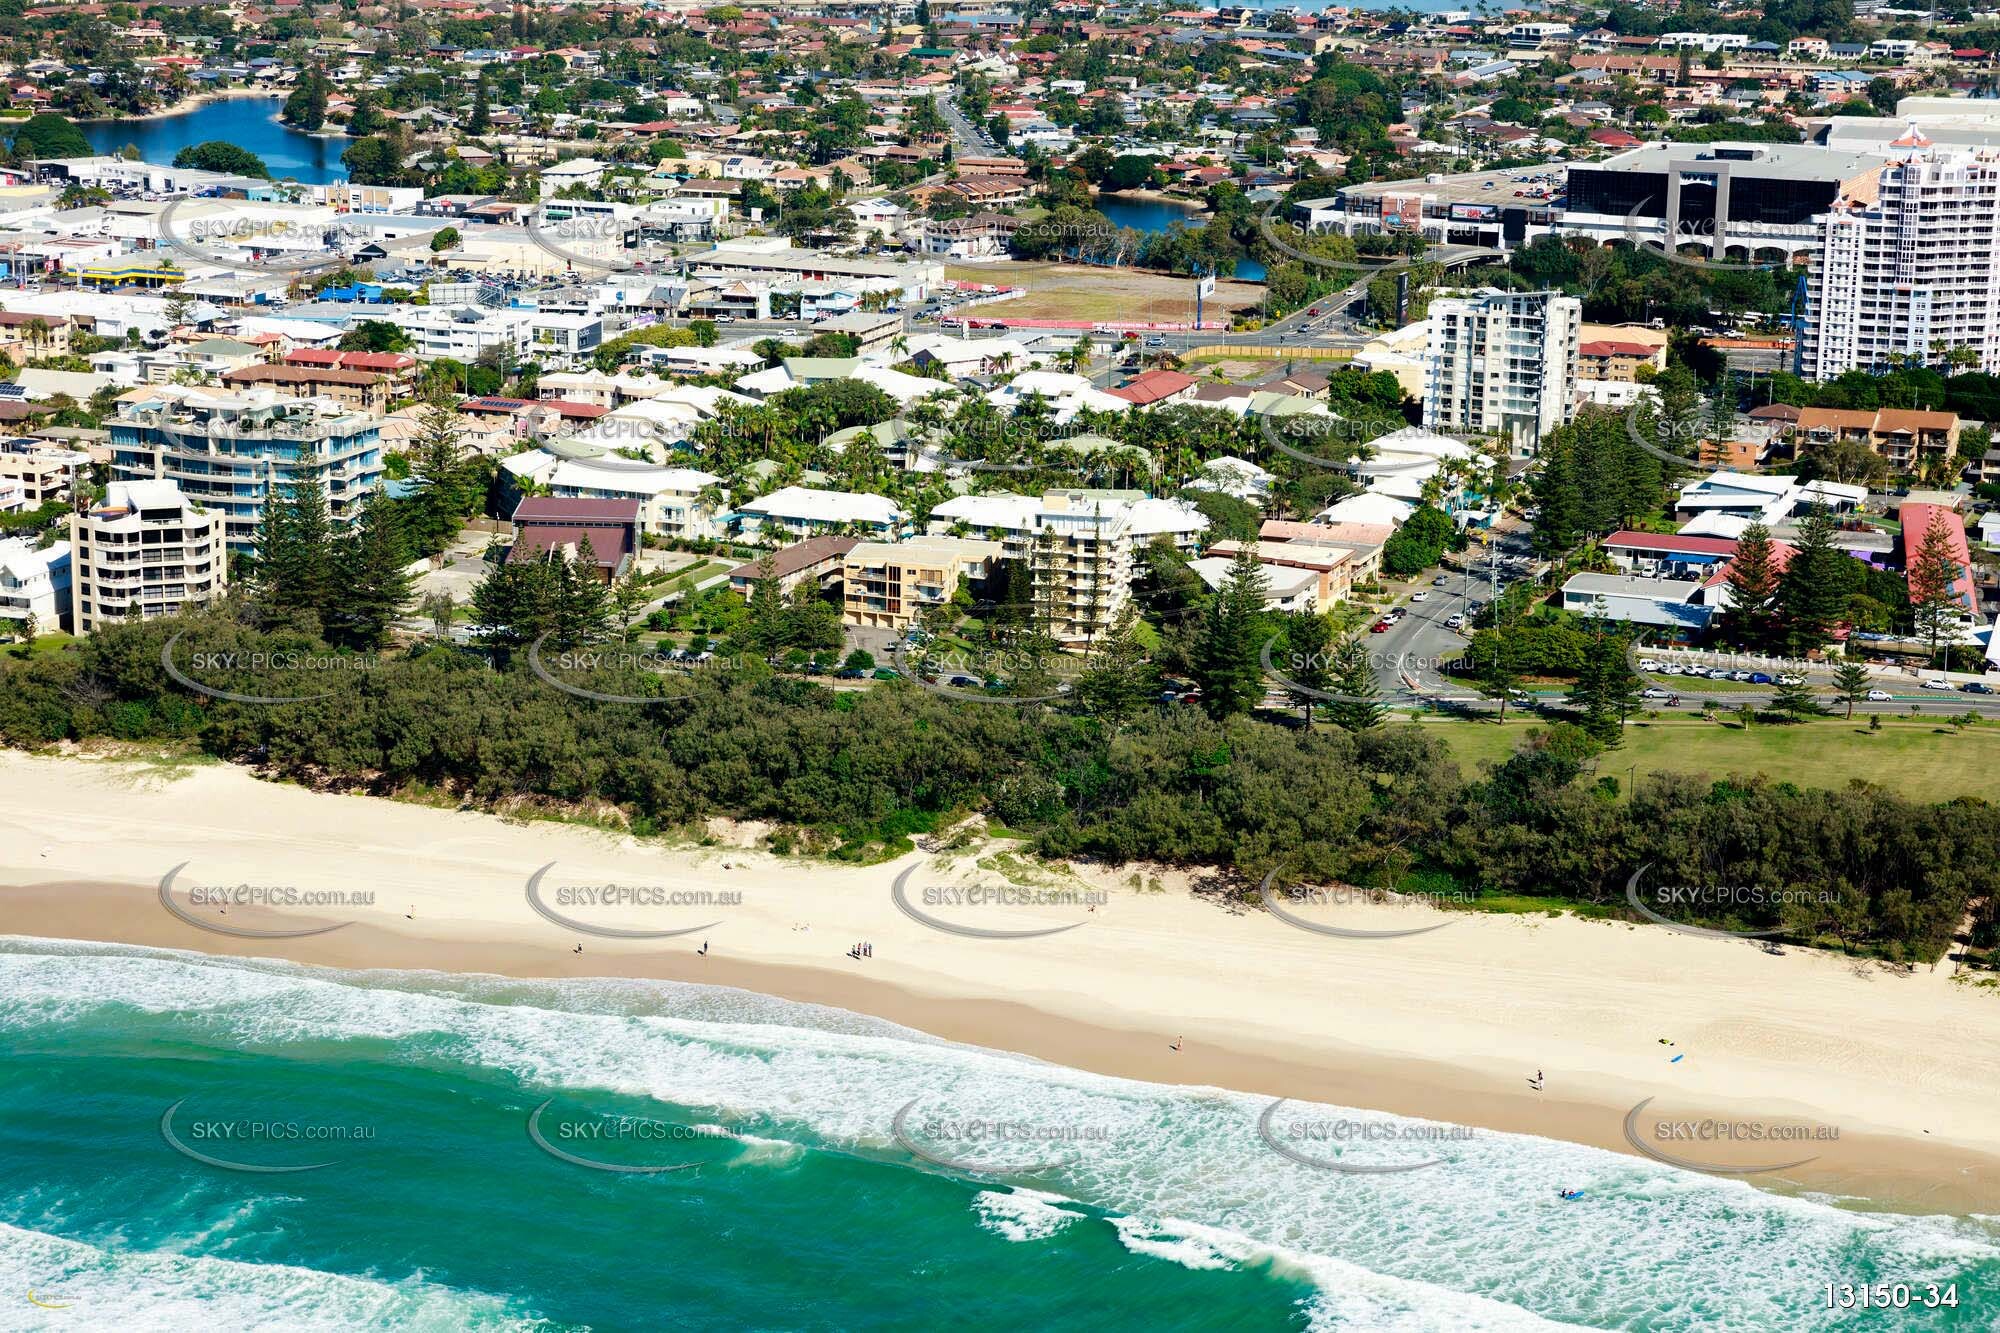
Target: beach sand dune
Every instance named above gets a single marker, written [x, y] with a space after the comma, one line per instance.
[1445, 1025]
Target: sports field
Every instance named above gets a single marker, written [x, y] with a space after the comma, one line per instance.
[1926, 760]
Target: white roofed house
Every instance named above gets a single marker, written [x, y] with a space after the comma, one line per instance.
[673, 501]
[1063, 395]
[796, 511]
[34, 586]
[1368, 507]
[1766, 498]
[1238, 477]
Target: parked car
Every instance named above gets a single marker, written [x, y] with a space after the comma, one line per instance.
[1759, 678]
[1379, 627]
[1648, 664]
[1718, 674]
[887, 673]
[1742, 677]
[849, 673]
[1673, 669]
[1880, 697]
[1454, 622]
[1789, 678]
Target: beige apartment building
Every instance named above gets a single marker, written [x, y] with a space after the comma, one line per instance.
[43, 476]
[145, 552]
[888, 584]
[357, 390]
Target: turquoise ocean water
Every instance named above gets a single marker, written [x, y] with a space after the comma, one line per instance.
[1155, 1208]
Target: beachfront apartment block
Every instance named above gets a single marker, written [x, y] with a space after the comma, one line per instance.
[1913, 273]
[1501, 363]
[234, 453]
[1079, 548]
[148, 550]
[34, 587]
[886, 585]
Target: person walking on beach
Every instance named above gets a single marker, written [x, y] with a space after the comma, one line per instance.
[1176, 1045]
[1536, 1081]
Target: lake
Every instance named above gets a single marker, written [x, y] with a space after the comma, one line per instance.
[1158, 215]
[248, 122]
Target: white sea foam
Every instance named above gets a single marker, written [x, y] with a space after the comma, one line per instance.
[1023, 1214]
[162, 1292]
[1468, 1244]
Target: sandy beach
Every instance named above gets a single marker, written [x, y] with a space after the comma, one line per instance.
[1446, 1025]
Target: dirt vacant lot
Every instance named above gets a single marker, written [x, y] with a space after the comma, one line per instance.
[1074, 291]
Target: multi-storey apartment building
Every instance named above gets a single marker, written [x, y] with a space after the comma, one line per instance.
[1078, 548]
[146, 551]
[1913, 274]
[1501, 363]
[233, 453]
[34, 586]
[886, 585]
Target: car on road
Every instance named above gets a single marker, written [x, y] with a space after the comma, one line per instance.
[1667, 697]
[1880, 697]
[1440, 581]
[1379, 627]
[1939, 684]
[1396, 614]
[1455, 622]
[1420, 595]
[1976, 687]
